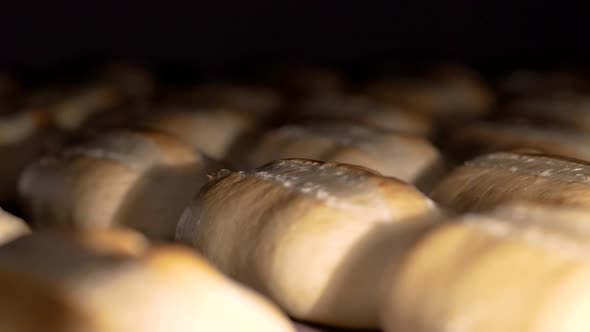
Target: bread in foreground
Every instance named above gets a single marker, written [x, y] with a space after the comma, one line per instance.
[312, 236]
[114, 281]
[507, 271]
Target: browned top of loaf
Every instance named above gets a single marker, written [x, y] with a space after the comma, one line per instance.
[319, 179]
[554, 167]
[134, 148]
[364, 138]
[335, 184]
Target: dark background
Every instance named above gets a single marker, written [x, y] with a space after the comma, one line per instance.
[54, 37]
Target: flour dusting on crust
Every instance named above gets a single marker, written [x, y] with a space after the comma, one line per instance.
[536, 165]
[337, 185]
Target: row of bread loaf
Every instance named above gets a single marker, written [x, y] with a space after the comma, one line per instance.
[343, 246]
[314, 237]
[224, 120]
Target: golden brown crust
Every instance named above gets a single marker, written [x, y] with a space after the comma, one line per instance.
[90, 282]
[496, 178]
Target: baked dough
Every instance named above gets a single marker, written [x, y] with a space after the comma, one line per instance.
[485, 137]
[571, 112]
[140, 179]
[258, 101]
[525, 83]
[409, 158]
[362, 110]
[507, 272]
[211, 131]
[313, 236]
[449, 92]
[301, 81]
[79, 106]
[488, 181]
[11, 227]
[23, 137]
[113, 281]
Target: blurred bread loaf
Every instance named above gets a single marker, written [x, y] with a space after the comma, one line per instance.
[361, 110]
[512, 272]
[113, 281]
[485, 137]
[528, 83]
[258, 101]
[23, 137]
[409, 158]
[139, 179]
[306, 81]
[448, 93]
[567, 112]
[11, 227]
[212, 131]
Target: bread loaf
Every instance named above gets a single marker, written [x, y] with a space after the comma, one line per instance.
[11, 227]
[210, 131]
[113, 281]
[526, 83]
[135, 82]
[304, 81]
[492, 273]
[257, 101]
[571, 112]
[449, 92]
[79, 106]
[487, 181]
[361, 110]
[485, 137]
[409, 158]
[140, 179]
[23, 137]
[312, 236]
